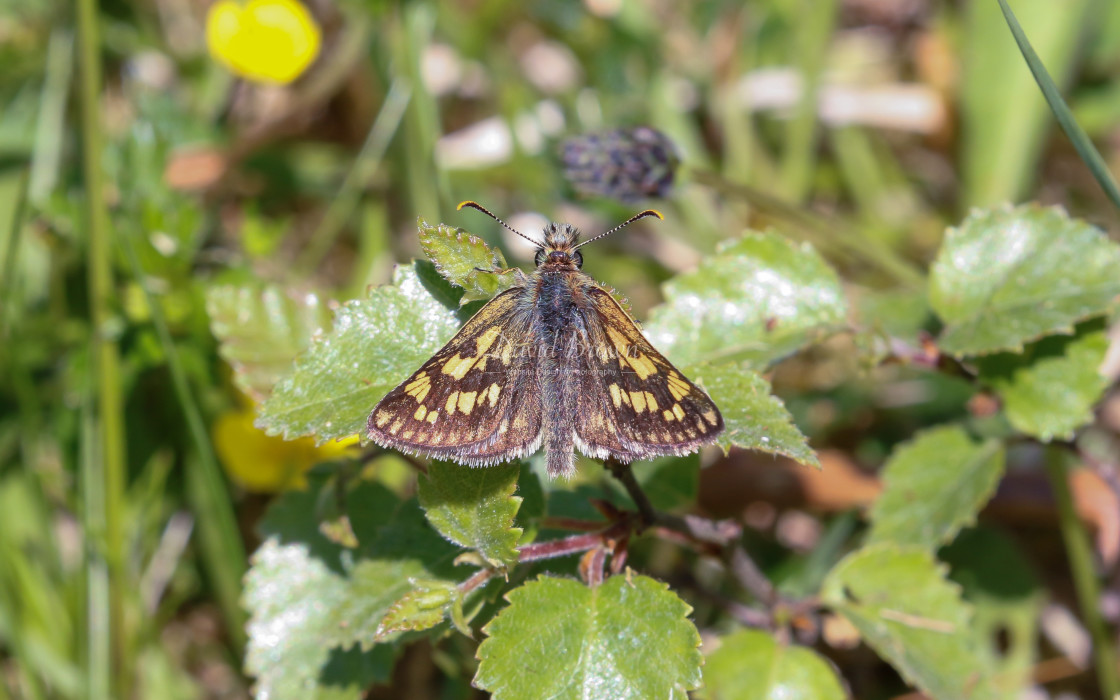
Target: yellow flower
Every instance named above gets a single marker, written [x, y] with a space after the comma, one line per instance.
[260, 462]
[267, 41]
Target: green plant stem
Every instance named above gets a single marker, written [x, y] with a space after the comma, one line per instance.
[829, 236]
[206, 489]
[96, 642]
[11, 251]
[1077, 136]
[625, 475]
[109, 466]
[1085, 582]
[365, 165]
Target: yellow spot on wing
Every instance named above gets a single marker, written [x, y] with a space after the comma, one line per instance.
[432, 416]
[619, 341]
[677, 386]
[419, 387]
[466, 401]
[642, 365]
[651, 401]
[421, 411]
[639, 399]
[616, 395]
[458, 366]
[507, 353]
[701, 427]
[450, 405]
[407, 435]
[494, 390]
[383, 418]
[678, 411]
[486, 339]
[395, 426]
[668, 415]
[710, 416]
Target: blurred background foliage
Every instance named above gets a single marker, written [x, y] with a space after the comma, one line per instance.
[863, 126]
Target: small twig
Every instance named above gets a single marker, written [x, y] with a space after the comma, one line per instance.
[576, 524]
[747, 573]
[591, 566]
[477, 579]
[719, 538]
[607, 538]
[625, 475]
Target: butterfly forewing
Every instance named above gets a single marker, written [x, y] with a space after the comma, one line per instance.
[636, 405]
[467, 401]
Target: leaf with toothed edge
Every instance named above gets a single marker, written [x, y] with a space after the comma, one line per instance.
[1048, 391]
[1009, 276]
[629, 637]
[373, 345]
[934, 485]
[466, 261]
[316, 606]
[261, 330]
[757, 300]
[905, 609]
[754, 419]
[754, 665]
[474, 508]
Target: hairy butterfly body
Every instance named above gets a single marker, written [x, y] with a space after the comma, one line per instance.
[553, 361]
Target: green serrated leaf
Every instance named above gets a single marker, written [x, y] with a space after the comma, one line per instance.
[466, 261]
[753, 665]
[1009, 276]
[474, 507]
[316, 606]
[758, 299]
[629, 637]
[997, 580]
[424, 607]
[754, 419]
[373, 345]
[261, 330]
[905, 609]
[1049, 389]
[933, 486]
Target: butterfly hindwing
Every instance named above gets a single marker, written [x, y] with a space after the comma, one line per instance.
[467, 402]
[636, 404]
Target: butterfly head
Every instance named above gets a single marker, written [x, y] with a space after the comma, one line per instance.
[559, 250]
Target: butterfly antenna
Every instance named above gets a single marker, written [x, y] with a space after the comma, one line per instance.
[632, 219]
[487, 212]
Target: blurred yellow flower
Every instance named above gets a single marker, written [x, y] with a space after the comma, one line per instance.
[267, 41]
[260, 462]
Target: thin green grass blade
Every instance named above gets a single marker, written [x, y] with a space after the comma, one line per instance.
[220, 539]
[1085, 148]
[364, 167]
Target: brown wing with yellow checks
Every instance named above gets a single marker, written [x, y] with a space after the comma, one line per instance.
[636, 405]
[475, 400]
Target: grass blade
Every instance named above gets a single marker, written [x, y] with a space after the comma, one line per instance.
[1081, 141]
[221, 543]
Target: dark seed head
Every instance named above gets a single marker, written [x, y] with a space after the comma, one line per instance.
[623, 164]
